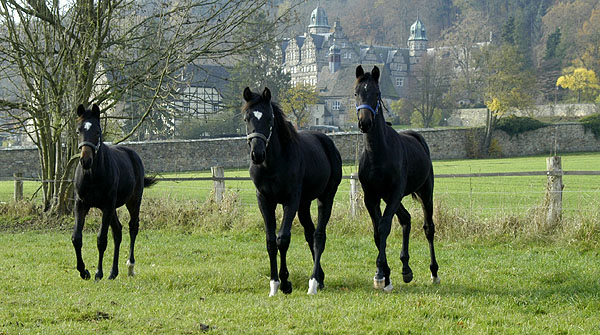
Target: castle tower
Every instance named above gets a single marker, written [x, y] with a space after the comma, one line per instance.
[417, 42]
[319, 24]
[335, 58]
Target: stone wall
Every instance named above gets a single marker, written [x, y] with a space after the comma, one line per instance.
[475, 117]
[194, 155]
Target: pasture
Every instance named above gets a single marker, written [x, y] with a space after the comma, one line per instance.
[218, 283]
[203, 268]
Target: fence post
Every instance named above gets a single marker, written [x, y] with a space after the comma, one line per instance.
[554, 189]
[18, 186]
[218, 173]
[354, 194]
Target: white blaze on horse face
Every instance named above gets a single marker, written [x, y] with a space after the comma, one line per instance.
[258, 115]
[87, 126]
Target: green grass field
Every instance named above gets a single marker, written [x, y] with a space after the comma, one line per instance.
[203, 268]
[218, 283]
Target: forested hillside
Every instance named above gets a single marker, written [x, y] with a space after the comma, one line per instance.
[551, 34]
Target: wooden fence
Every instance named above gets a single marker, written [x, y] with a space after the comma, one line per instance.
[553, 195]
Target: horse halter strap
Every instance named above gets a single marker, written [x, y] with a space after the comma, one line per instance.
[250, 136]
[374, 111]
[96, 147]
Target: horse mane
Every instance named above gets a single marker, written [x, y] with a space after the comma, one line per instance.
[286, 130]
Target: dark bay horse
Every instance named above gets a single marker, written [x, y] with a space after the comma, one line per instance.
[106, 178]
[290, 168]
[392, 166]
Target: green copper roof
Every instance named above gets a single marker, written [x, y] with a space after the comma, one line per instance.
[417, 31]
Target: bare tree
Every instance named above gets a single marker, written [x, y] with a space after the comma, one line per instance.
[57, 55]
[427, 87]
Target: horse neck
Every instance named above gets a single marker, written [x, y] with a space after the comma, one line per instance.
[375, 138]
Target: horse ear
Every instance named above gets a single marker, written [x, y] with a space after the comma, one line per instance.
[96, 111]
[247, 94]
[267, 94]
[80, 110]
[375, 73]
[359, 72]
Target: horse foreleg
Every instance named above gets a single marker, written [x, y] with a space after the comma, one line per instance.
[117, 232]
[267, 209]
[283, 243]
[102, 239]
[381, 278]
[77, 237]
[404, 218]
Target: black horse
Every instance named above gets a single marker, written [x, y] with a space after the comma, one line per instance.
[106, 178]
[392, 166]
[290, 168]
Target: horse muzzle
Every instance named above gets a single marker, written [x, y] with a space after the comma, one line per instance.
[365, 125]
[258, 156]
[87, 157]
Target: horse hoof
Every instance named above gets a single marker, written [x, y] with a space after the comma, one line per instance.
[274, 287]
[286, 287]
[312, 286]
[435, 280]
[378, 284]
[85, 275]
[407, 277]
[130, 271]
[113, 275]
[98, 275]
[388, 288]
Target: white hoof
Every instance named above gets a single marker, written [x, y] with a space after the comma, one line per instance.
[378, 284]
[313, 284]
[388, 288]
[130, 271]
[435, 280]
[274, 287]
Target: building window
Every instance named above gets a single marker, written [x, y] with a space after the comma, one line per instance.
[399, 81]
[335, 105]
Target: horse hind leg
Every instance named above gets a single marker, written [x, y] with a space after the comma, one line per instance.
[429, 229]
[134, 226]
[117, 232]
[309, 235]
[404, 218]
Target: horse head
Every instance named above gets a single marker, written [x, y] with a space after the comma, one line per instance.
[368, 97]
[90, 134]
[259, 119]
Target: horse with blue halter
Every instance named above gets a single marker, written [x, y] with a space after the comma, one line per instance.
[292, 169]
[106, 178]
[392, 166]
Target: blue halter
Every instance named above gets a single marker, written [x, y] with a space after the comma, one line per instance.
[374, 111]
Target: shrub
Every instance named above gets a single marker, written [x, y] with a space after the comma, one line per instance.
[515, 125]
[592, 123]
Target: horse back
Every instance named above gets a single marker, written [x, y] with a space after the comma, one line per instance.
[130, 171]
[322, 162]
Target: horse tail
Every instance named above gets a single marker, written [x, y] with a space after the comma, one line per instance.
[149, 181]
[333, 155]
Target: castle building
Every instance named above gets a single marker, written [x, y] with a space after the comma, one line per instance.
[325, 58]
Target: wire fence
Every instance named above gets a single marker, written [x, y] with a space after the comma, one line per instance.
[478, 194]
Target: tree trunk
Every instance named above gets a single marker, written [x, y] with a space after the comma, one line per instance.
[490, 125]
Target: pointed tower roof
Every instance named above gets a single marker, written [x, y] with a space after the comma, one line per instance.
[418, 31]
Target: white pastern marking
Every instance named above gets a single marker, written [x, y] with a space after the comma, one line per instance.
[312, 286]
[274, 287]
[130, 270]
[378, 284]
[388, 288]
[257, 114]
[435, 280]
[87, 125]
